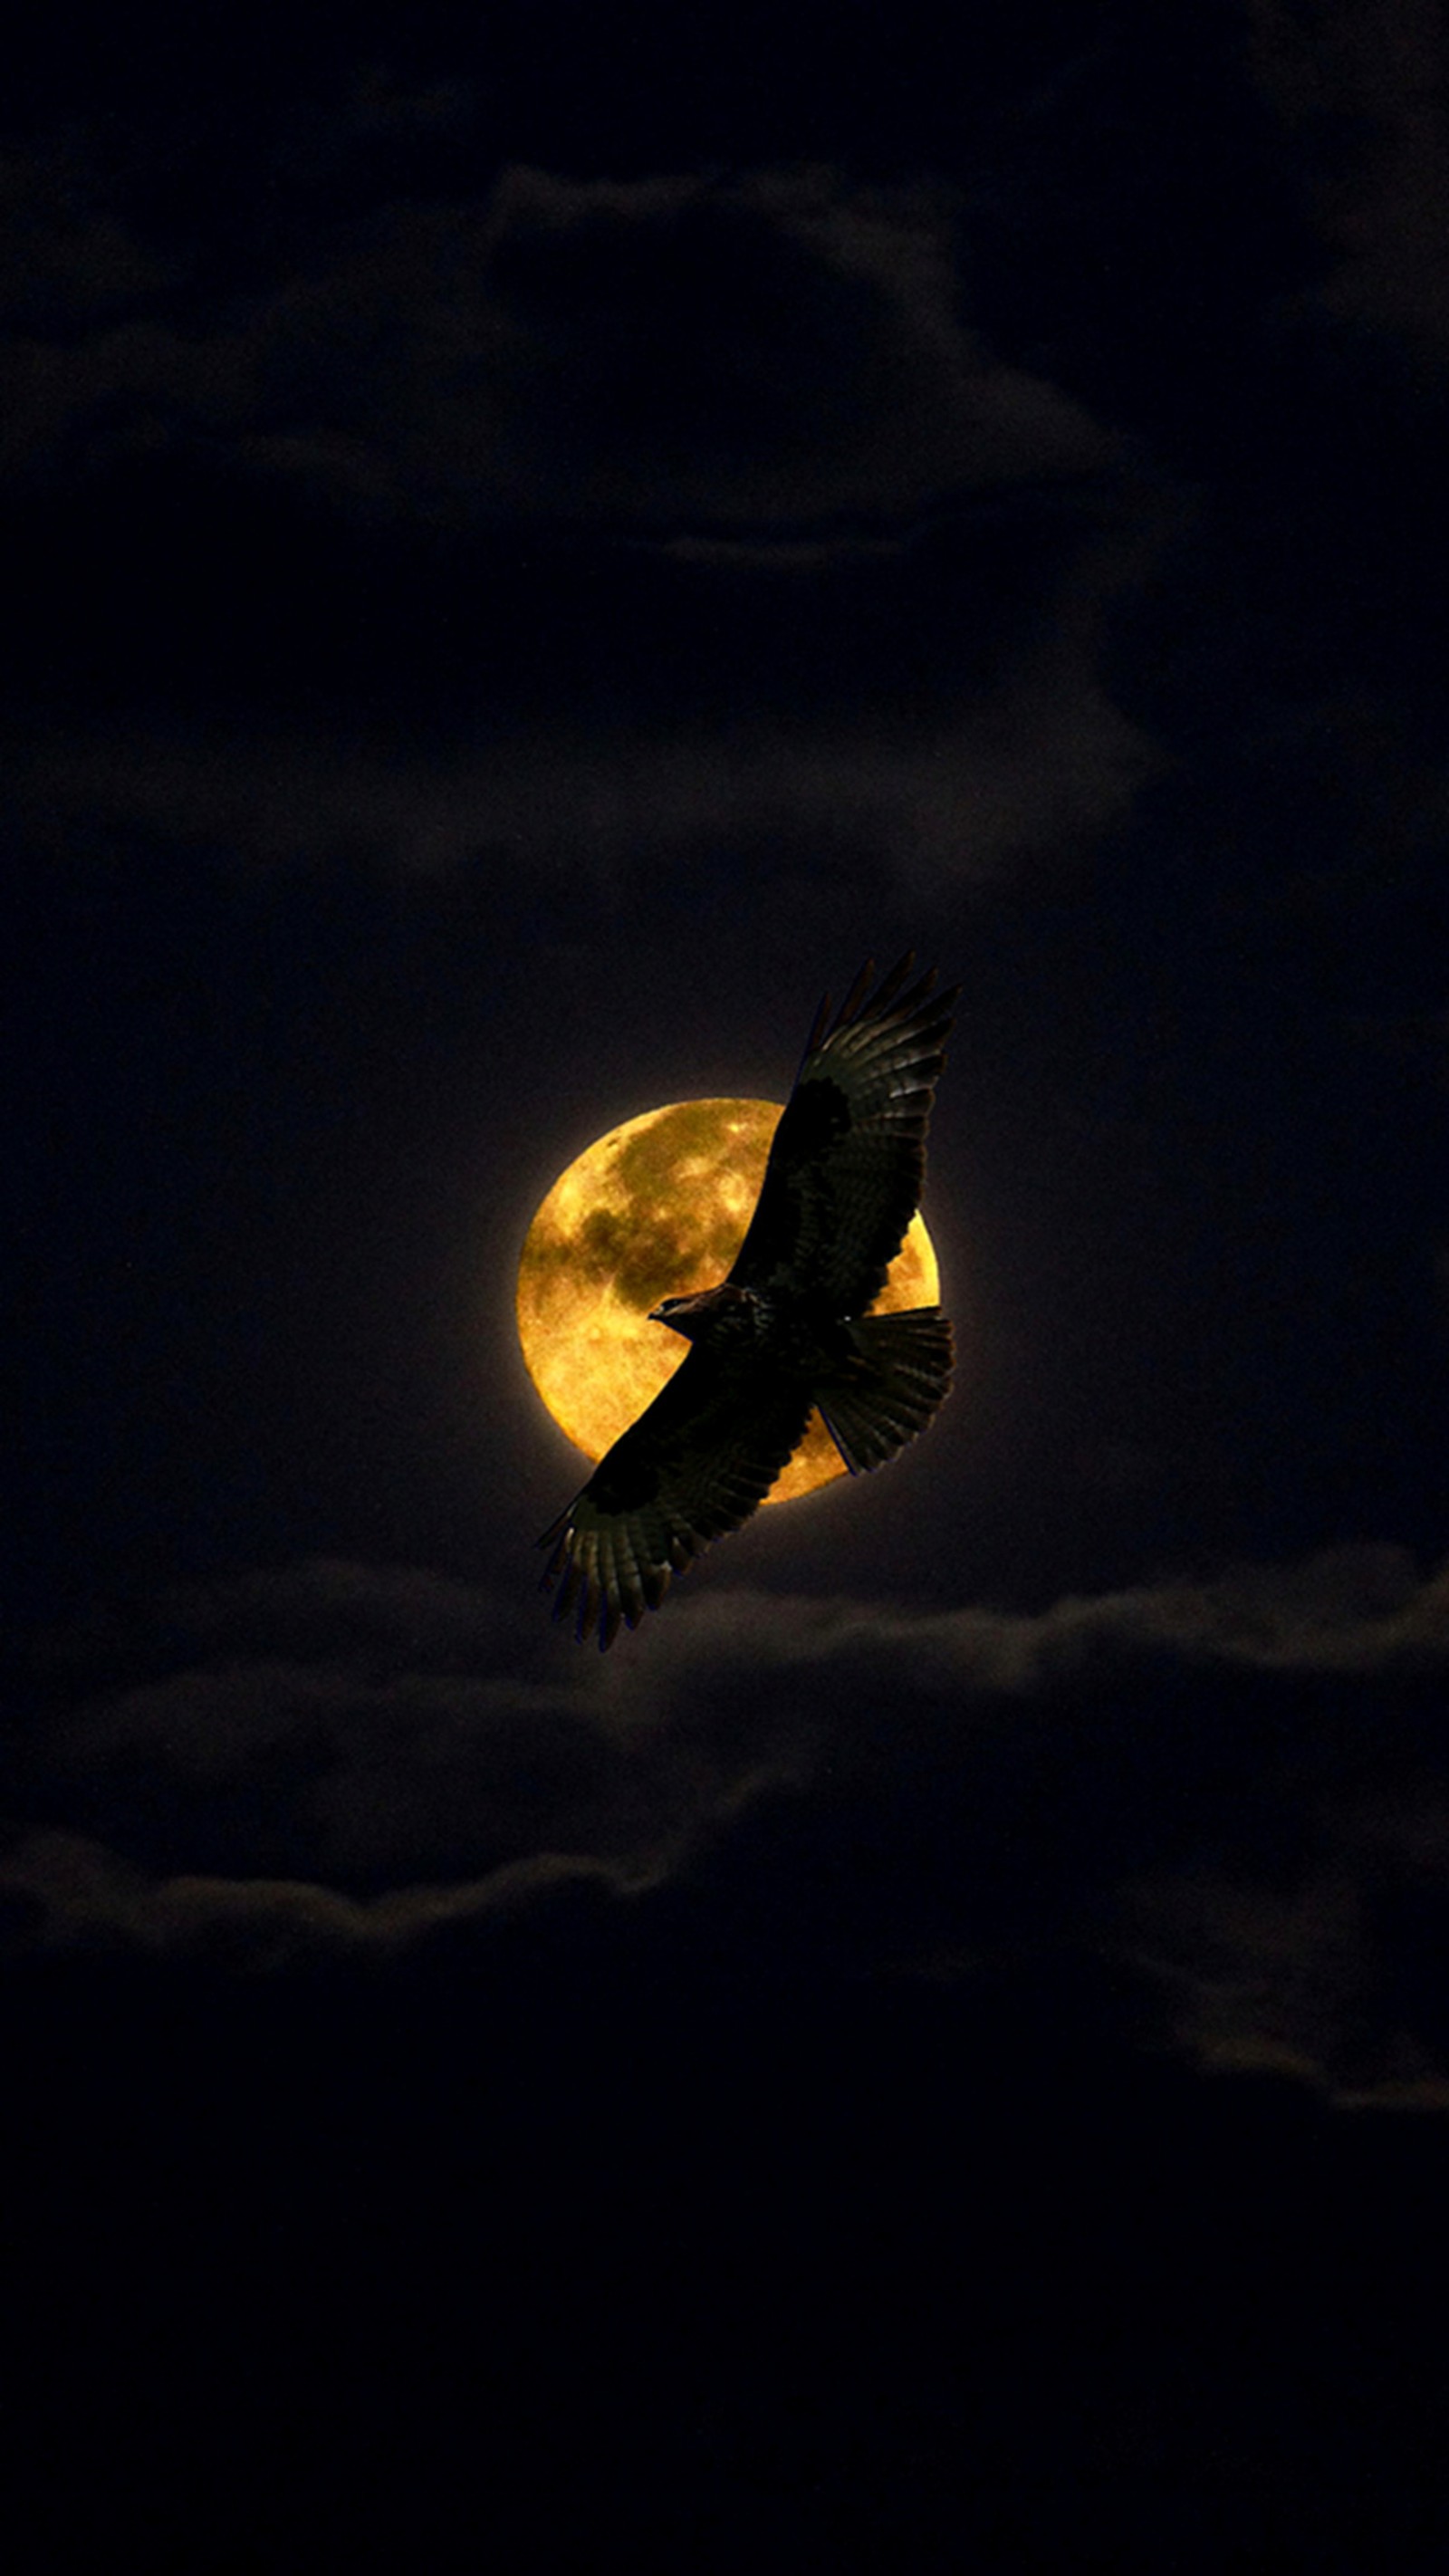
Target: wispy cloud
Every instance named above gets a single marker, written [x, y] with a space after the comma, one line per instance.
[772, 352]
[1037, 766]
[1230, 1788]
[1361, 84]
[761, 383]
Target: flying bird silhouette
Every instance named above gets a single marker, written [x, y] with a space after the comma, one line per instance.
[788, 1330]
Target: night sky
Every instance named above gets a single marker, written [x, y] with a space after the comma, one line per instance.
[532, 548]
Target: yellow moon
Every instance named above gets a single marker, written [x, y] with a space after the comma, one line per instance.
[656, 1207]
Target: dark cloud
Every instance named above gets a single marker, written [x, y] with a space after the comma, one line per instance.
[1230, 1789]
[68, 257]
[1360, 85]
[1044, 762]
[770, 352]
[757, 398]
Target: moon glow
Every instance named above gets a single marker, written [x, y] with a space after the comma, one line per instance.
[653, 1209]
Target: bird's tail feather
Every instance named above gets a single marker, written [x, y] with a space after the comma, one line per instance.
[897, 1376]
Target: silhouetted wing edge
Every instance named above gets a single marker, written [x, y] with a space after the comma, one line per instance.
[854, 1006]
[891, 1041]
[711, 1471]
[890, 1386]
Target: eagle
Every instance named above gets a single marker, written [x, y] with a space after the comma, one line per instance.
[789, 1331]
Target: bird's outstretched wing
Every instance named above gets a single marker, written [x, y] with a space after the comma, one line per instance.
[848, 1159]
[697, 1462]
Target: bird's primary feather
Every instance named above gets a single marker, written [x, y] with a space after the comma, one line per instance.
[788, 1329]
[848, 1159]
[699, 1460]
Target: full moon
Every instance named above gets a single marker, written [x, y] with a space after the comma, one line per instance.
[657, 1207]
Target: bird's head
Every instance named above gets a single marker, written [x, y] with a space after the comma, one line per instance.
[699, 1311]
[687, 1315]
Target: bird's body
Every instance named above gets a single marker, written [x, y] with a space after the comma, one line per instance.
[789, 1330]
